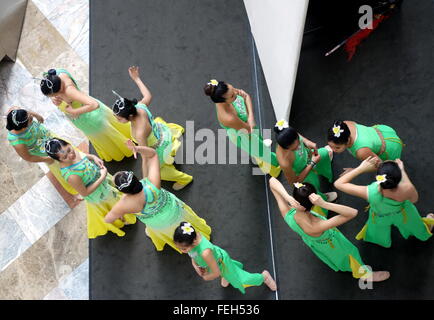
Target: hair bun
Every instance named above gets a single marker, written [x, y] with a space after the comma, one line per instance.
[52, 72]
[209, 89]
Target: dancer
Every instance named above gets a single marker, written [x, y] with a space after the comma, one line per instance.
[161, 211]
[302, 161]
[211, 261]
[320, 234]
[27, 135]
[235, 114]
[88, 114]
[155, 133]
[390, 199]
[88, 175]
[379, 141]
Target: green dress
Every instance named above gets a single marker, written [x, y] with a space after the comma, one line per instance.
[160, 137]
[34, 138]
[252, 143]
[107, 135]
[323, 168]
[367, 137]
[385, 212]
[332, 247]
[99, 202]
[162, 214]
[230, 269]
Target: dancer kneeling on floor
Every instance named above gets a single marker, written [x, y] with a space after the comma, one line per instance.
[211, 261]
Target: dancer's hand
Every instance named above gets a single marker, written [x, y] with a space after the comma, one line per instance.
[39, 117]
[400, 164]
[369, 164]
[241, 93]
[103, 172]
[56, 100]
[130, 144]
[295, 204]
[252, 124]
[316, 158]
[312, 145]
[316, 200]
[71, 112]
[134, 72]
[98, 162]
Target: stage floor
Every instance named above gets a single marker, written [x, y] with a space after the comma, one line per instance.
[180, 45]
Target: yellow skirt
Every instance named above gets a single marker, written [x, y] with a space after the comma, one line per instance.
[160, 237]
[110, 143]
[96, 226]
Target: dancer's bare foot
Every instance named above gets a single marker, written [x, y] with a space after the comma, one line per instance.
[378, 276]
[269, 281]
[430, 216]
[224, 282]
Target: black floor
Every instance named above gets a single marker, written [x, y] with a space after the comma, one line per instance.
[181, 44]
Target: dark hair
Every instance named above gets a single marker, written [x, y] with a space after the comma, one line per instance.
[286, 136]
[216, 92]
[343, 137]
[51, 82]
[129, 108]
[17, 119]
[180, 237]
[127, 182]
[53, 146]
[302, 195]
[392, 172]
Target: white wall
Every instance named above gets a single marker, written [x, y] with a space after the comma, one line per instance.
[277, 27]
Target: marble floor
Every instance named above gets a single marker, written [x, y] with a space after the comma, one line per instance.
[43, 240]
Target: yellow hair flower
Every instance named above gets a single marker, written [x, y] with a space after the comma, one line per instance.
[187, 229]
[381, 178]
[213, 82]
[281, 124]
[298, 185]
[337, 131]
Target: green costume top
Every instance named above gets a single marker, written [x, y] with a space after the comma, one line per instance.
[90, 122]
[240, 108]
[332, 247]
[367, 137]
[162, 207]
[89, 172]
[160, 137]
[230, 269]
[385, 212]
[34, 137]
[252, 143]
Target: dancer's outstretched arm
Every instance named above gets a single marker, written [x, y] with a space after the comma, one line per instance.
[284, 200]
[343, 183]
[146, 93]
[150, 162]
